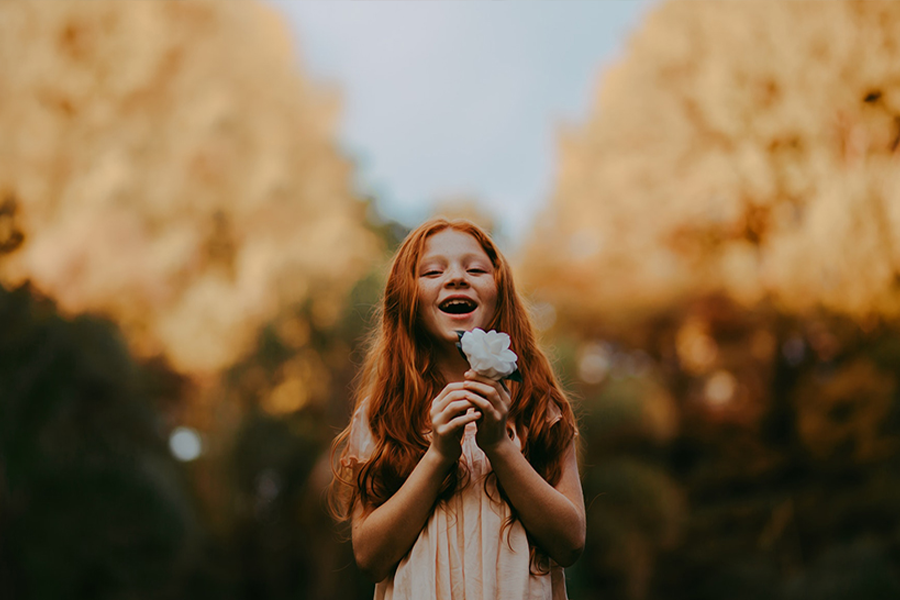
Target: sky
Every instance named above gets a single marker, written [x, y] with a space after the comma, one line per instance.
[444, 99]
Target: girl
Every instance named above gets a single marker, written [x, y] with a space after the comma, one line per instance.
[458, 486]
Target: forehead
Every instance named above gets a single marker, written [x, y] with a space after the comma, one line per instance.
[450, 243]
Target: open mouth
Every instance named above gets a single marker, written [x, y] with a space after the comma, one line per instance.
[457, 306]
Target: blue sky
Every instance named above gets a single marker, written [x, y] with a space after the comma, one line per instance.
[445, 99]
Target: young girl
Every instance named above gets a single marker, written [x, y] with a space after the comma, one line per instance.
[458, 486]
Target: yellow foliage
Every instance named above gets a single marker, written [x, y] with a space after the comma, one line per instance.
[168, 165]
[747, 148]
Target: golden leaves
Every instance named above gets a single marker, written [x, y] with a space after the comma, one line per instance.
[744, 148]
[173, 171]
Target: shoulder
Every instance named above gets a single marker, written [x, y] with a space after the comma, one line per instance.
[360, 442]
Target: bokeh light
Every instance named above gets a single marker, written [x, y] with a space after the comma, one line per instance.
[185, 444]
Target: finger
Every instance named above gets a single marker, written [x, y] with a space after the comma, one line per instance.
[449, 388]
[501, 388]
[447, 395]
[455, 425]
[452, 410]
[496, 397]
[454, 404]
[482, 388]
[485, 406]
[473, 375]
[464, 419]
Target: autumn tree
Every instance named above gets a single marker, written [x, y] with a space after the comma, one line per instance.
[168, 164]
[170, 177]
[721, 257]
[747, 148]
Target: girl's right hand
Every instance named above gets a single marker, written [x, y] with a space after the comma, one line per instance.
[451, 411]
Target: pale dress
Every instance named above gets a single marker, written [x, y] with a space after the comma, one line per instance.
[464, 552]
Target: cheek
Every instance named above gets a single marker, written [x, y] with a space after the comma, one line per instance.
[493, 310]
[491, 303]
[424, 294]
[424, 299]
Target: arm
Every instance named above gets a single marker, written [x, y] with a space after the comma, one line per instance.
[553, 515]
[383, 536]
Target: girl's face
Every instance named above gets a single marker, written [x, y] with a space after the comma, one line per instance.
[456, 286]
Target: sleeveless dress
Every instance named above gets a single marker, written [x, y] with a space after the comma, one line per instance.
[463, 552]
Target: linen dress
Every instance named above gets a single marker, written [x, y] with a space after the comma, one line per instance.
[463, 552]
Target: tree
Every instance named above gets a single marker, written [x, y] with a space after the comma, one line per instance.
[721, 254]
[165, 163]
[747, 148]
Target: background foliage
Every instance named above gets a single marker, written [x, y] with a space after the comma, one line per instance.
[716, 278]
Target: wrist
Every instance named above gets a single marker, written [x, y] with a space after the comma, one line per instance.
[499, 451]
[438, 459]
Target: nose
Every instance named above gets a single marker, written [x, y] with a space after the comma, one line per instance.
[456, 277]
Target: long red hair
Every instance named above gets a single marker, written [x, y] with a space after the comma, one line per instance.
[400, 377]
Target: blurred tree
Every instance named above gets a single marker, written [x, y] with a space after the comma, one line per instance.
[747, 148]
[164, 163]
[721, 255]
[91, 503]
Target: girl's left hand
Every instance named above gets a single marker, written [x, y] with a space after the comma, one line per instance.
[492, 399]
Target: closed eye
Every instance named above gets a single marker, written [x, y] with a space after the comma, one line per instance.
[477, 270]
[431, 273]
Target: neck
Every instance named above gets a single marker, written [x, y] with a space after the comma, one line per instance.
[451, 363]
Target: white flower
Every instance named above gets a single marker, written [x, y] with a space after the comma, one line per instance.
[488, 353]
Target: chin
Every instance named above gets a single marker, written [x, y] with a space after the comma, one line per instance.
[467, 326]
[448, 333]
[443, 327]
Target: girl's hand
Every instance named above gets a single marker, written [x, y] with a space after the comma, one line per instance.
[492, 399]
[451, 411]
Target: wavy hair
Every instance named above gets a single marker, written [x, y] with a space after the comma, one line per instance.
[400, 377]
